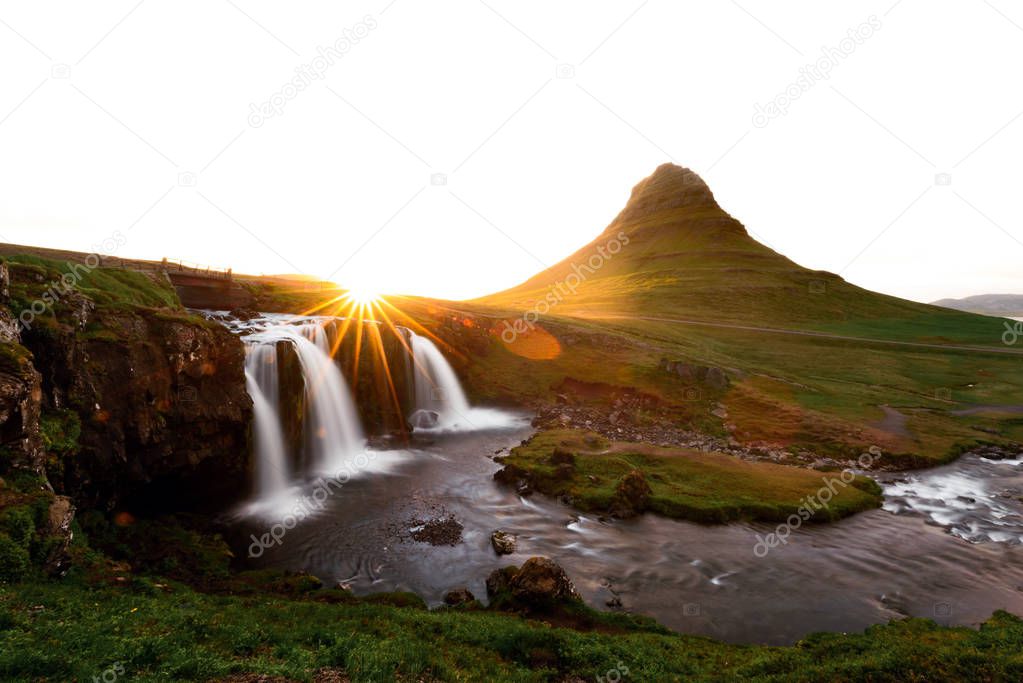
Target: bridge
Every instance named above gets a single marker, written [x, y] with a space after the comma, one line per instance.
[198, 286]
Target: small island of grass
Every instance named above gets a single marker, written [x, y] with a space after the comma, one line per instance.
[623, 479]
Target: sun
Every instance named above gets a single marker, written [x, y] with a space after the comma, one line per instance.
[363, 296]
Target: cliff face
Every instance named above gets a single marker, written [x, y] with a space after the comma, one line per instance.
[20, 394]
[142, 407]
[160, 401]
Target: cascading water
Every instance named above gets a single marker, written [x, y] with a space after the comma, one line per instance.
[263, 384]
[333, 434]
[439, 399]
[440, 403]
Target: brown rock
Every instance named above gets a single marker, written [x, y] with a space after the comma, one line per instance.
[162, 402]
[499, 580]
[631, 496]
[459, 596]
[504, 543]
[58, 526]
[540, 582]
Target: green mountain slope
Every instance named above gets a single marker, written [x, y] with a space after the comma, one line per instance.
[682, 254]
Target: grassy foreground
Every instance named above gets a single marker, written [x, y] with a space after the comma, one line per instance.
[108, 620]
[684, 484]
[166, 632]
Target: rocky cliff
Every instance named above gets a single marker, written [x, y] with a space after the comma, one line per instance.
[120, 396]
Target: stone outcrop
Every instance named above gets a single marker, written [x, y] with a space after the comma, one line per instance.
[516, 477]
[631, 495]
[540, 584]
[159, 395]
[503, 542]
[59, 517]
[161, 399]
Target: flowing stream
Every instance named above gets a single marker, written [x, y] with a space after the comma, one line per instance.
[868, 569]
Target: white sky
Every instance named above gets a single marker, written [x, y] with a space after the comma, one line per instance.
[536, 165]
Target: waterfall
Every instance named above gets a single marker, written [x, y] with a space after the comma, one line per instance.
[263, 385]
[440, 402]
[332, 438]
[333, 434]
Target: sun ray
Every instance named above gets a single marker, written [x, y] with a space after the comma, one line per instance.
[414, 325]
[382, 360]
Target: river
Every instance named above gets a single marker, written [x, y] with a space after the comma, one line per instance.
[946, 546]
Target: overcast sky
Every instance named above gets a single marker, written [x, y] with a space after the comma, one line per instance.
[454, 148]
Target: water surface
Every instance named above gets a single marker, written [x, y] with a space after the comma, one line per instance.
[946, 546]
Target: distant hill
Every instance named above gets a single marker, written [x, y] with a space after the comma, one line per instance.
[674, 250]
[1010, 305]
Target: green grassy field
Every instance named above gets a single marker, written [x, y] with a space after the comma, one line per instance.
[153, 630]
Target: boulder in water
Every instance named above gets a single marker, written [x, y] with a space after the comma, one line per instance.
[540, 584]
[504, 543]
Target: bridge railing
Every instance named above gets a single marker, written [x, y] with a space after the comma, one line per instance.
[168, 266]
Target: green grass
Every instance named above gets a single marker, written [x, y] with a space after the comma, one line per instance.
[32, 276]
[686, 484]
[162, 631]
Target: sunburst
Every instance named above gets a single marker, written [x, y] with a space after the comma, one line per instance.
[365, 314]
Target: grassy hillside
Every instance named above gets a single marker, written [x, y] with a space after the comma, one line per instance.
[35, 277]
[682, 256]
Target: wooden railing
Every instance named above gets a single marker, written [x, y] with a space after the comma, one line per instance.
[168, 266]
